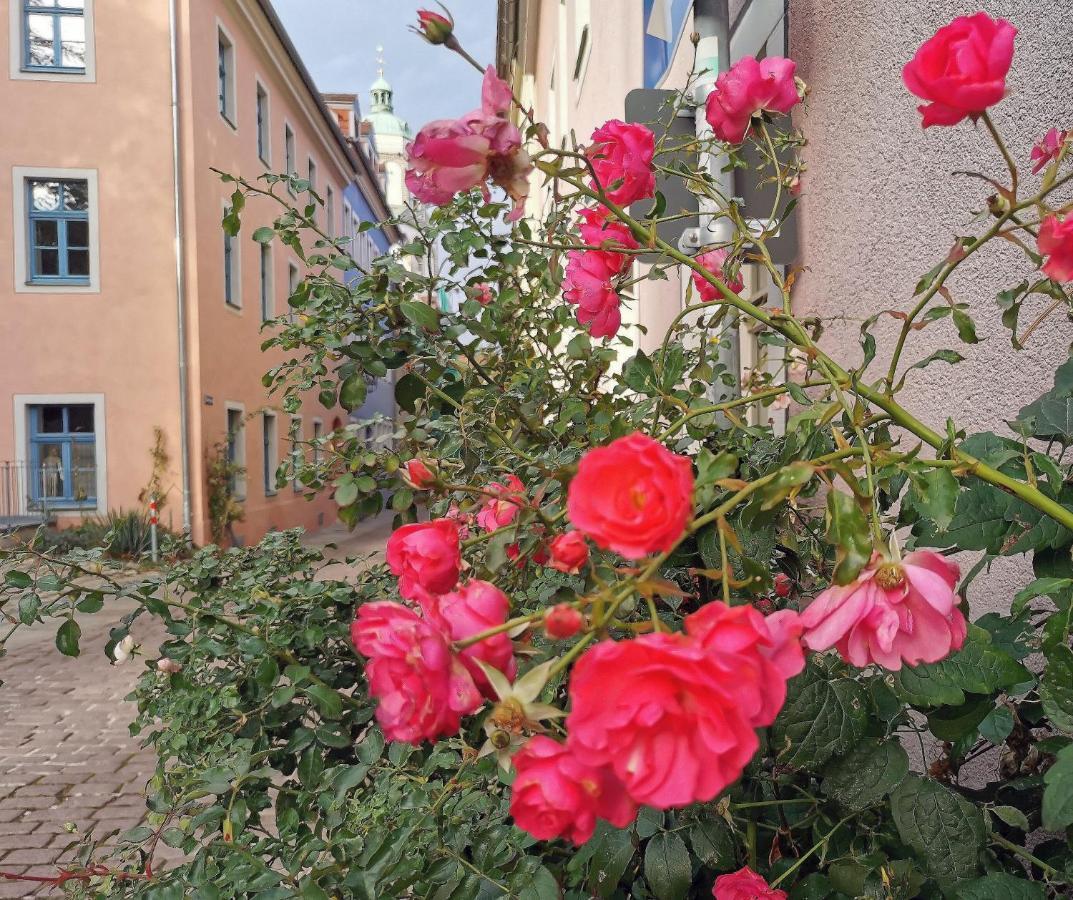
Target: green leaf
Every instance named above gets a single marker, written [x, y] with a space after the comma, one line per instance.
[712, 842]
[867, 775]
[823, 717]
[947, 356]
[328, 701]
[67, 638]
[935, 495]
[965, 326]
[352, 391]
[847, 529]
[1011, 815]
[944, 828]
[29, 605]
[997, 725]
[789, 480]
[421, 314]
[612, 850]
[1058, 793]
[1051, 416]
[264, 235]
[1000, 886]
[346, 492]
[1056, 688]
[668, 870]
[16, 579]
[978, 668]
[580, 347]
[408, 390]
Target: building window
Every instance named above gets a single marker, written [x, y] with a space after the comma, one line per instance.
[329, 210]
[289, 165]
[347, 217]
[236, 450]
[296, 451]
[225, 66]
[63, 454]
[582, 38]
[232, 287]
[264, 149]
[318, 441]
[267, 312]
[54, 36]
[58, 236]
[269, 448]
[293, 280]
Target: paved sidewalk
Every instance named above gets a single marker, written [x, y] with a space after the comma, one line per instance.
[65, 752]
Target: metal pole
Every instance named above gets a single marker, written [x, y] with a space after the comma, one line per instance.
[711, 22]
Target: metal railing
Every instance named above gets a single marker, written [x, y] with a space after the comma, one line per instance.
[34, 493]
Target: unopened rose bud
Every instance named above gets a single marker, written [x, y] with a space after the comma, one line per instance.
[569, 552]
[169, 666]
[123, 650]
[433, 27]
[562, 621]
[783, 585]
[418, 475]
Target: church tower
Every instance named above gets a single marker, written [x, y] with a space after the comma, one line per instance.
[391, 134]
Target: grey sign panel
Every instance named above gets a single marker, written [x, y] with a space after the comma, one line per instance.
[655, 108]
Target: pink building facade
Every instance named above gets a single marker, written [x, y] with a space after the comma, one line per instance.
[127, 309]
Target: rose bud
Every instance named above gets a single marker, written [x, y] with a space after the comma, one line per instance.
[168, 666]
[569, 552]
[433, 27]
[783, 585]
[418, 475]
[562, 621]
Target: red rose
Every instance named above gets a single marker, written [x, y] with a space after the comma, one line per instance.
[418, 475]
[562, 621]
[621, 156]
[569, 552]
[662, 716]
[717, 262]
[433, 27]
[589, 283]
[422, 686]
[503, 508]
[783, 585]
[556, 794]
[747, 88]
[1056, 243]
[745, 884]
[961, 71]
[633, 496]
[477, 606]
[426, 557]
[599, 230]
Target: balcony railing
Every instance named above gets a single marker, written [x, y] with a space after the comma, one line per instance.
[34, 493]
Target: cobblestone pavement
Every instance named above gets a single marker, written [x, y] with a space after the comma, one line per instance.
[65, 752]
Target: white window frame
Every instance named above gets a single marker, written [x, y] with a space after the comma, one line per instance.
[266, 286]
[329, 210]
[21, 268]
[348, 215]
[297, 454]
[290, 153]
[269, 439]
[294, 278]
[235, 304]
[22, 404]
[232, 80]
[581, 47]
[262, 88]
[231, 406]
[17, 41]
[316, 438]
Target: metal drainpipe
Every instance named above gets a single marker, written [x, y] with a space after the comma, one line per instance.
[711, 22]
[180, 271]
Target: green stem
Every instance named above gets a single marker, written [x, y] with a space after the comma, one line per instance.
[1001, 144]
[1051, 871]
[822, 842]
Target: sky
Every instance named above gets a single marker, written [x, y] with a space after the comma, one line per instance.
[338, 39]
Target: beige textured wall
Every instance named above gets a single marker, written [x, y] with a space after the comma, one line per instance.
[881, 207]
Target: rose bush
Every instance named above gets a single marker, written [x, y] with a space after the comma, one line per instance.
[625, 642]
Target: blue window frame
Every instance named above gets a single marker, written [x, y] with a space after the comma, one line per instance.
[63, 454]
[58, 224]
[54, 35]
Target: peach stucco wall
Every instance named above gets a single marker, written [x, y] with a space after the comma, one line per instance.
[120, 342]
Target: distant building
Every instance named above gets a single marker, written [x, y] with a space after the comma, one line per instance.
[126, 307]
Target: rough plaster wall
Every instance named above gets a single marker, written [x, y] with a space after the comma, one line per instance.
[880, 205]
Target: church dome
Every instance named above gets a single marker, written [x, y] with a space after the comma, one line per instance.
[382, 116]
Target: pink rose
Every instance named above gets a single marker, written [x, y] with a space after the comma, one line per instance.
[599, 229]
[451, 156]
[569, 552]
[961, 70]
[502, 509]
[633, 496]
[747, 88]
[422, 687]
[1056, 242]
[718, 263]
[589, 284]
[538, 554]
[562, 621]
[893, 613]
[754, 654]
[745, 884]
[482, 293]
[661, 714]
[426, 557]
[418, 475]
[621, 156]
[1047, 149]
[557, 794]
[474, 607]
